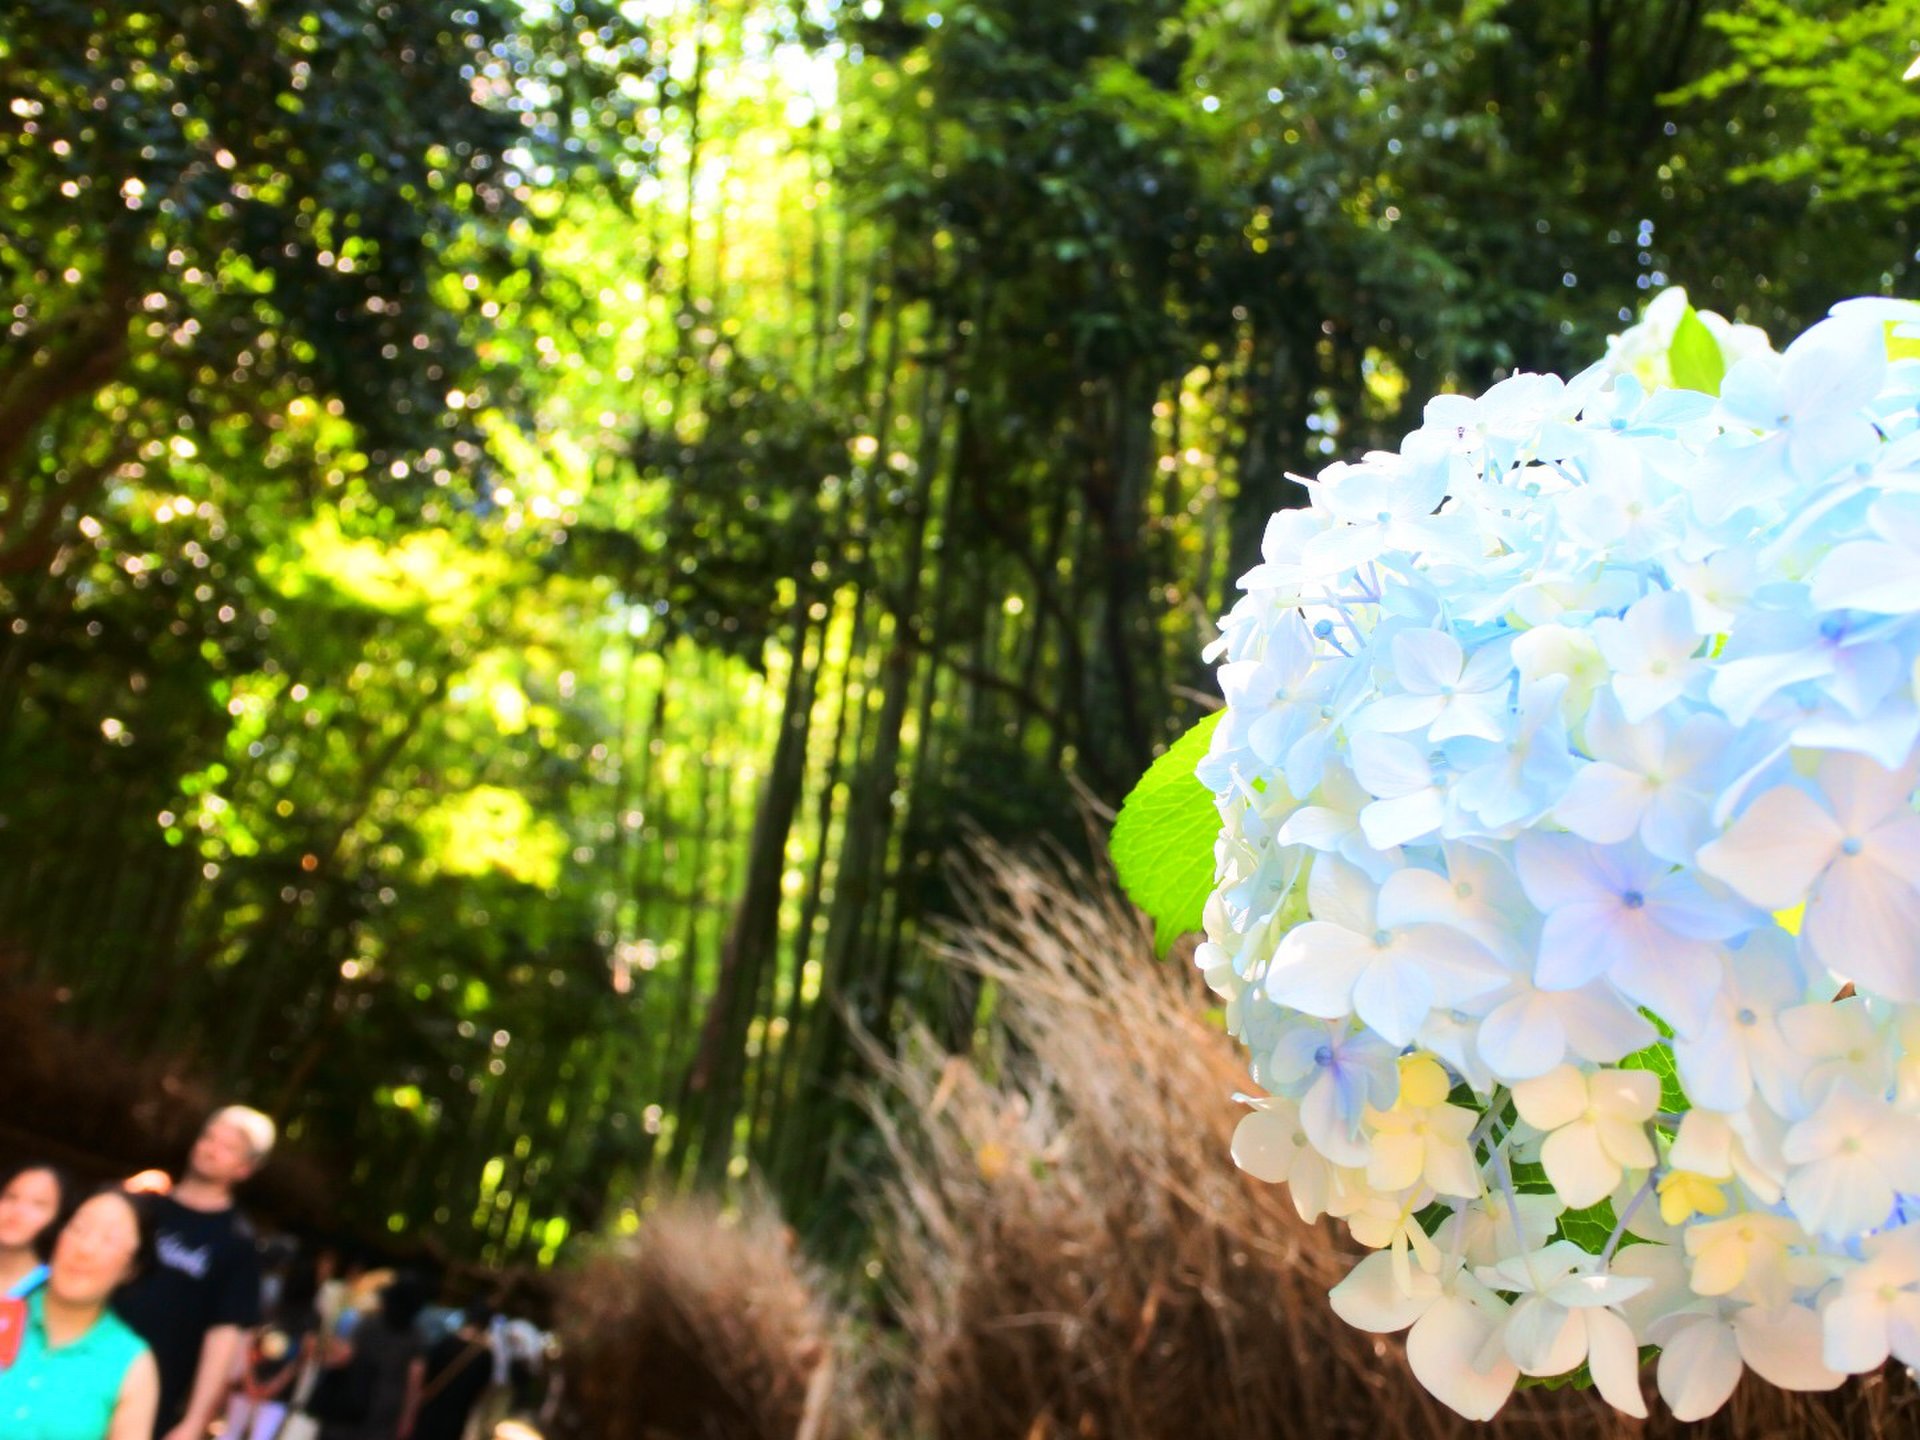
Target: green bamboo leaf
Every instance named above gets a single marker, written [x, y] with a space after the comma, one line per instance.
[1162, 843]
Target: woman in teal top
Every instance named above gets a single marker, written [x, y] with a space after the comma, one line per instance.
[81, 1374]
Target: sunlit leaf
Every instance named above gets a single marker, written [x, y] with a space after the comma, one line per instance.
[1694, 358]
[1163, 839]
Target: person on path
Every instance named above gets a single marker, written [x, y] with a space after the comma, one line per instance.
[459, 1368]
[384, 1370]
[33, 1202]
[80, 1373]
[281, 1351]
[195, 1304]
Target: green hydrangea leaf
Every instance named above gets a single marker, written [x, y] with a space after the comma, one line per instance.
[1530, 1178]
[1658, 1058]
[1162, 842]
[1578, 1378]
[1694, 358]
[1590, 1228]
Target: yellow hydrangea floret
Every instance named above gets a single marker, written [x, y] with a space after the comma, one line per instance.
[1684, 1194]
[1423, 1083]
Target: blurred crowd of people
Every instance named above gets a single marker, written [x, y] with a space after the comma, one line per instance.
[151, 1310]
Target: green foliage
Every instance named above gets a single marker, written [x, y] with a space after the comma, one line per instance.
[1657, 1058]
[1590, 1228]
[1833, 76]
[1694, 358]
[1580, 1377]
[223, 206]
[1530, 1178]
[1593, 1227]
[1163, 838]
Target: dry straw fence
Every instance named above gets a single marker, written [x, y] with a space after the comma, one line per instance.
[1065, 1248]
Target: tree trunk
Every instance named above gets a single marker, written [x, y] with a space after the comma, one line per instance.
[713, 1085]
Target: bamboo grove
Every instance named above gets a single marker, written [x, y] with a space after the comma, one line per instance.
[530, 531]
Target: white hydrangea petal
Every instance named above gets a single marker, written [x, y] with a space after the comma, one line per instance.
[1676, 824]
[1403, 819]
[1837, 364]
[1751, 392]
[1774, 852]
[1835, 1197]
[1713, 1065]
[1482, 716]
[1398, 714]
[1557, 870]
[1578, 945]
[1643, 694]
[1675, 979]
[1783, 1346]
[1445, 1350]
[1395, 1160]
[1588, 1288]
[1388, 767]
[1632, 1094]
[1341, 894]
[1741, 687]
[1452, 1169]
[1488, 669]
[1523, 1038]
[1328, 1120]
[1894, 845]
[1625, 1142]
[1868, 575]
[1654, 1308]
[1544, 1338]
[1425, 662]
[1318, 827]
[1863, 794]
[1264, 1143]
[1704, 1145]
[1554, 1099]
[1863, 924]
[1393, 1000]
[1886, 736]
[1903, 1327]
[1600, 1028]
[1312, 1185]
[1316, 969]
[1853, 1330]
[1699, 1368]
[1582, 1172]
[1371, 1297]
[1613, 1358]
[1604, 803]
[1458, 965]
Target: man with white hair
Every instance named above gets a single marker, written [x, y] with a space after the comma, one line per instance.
[194, 1305]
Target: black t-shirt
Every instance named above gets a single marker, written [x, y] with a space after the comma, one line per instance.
[206, 1273]
[444, 1417]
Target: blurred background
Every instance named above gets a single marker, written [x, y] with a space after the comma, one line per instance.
[531, 531]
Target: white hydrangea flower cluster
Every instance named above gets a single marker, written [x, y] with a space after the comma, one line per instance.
[1566, 886]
